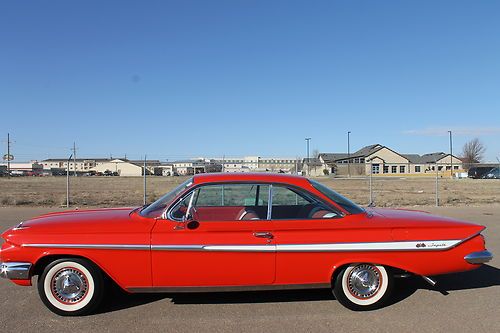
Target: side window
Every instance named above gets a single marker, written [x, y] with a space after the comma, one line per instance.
[282, 196]
[232, 195]
[180, 210]
[292, 204]
[209, 196]
[226, 202]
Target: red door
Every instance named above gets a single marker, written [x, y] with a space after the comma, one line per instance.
[223, 253]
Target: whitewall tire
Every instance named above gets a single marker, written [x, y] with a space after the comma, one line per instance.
[363, 286]
[71, 286]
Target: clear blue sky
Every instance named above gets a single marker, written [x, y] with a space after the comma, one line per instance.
[178, 79]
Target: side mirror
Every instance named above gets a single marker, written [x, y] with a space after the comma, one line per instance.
[187, 223]
[191, 225]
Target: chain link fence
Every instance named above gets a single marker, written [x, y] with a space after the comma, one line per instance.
[379, 186]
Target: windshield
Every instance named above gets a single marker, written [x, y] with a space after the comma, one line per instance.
[157, 207]
[343, 202]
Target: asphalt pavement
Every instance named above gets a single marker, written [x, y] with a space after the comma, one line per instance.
[460, 302]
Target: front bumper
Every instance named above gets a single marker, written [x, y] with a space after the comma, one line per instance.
[478, 258]
[15, 270]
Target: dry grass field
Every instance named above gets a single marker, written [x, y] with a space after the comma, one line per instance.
[128, 191]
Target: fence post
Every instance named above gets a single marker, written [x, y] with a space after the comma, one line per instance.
[67, 180]
[145, 195]
[370, 182]
[437, 186]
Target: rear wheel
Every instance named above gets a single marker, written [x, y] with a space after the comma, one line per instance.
[71, 286]
[363, 286]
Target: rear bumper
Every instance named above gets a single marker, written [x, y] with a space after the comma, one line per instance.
[15, 270]
[478, 258]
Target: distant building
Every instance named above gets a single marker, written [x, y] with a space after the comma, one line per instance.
[237, 167]
[312, 167]
[128, 168]
[23, 168]
[381, 160]
[166, 169]
[259, 164]
[122, 167]
[189, 167]
[81, 164]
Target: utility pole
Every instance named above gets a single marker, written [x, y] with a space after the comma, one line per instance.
[307, 160]
[451, 155]
[8, 154]
[74, 157]
[348, 155]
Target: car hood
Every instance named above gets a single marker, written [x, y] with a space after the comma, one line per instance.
[415, 225]
[75, 221]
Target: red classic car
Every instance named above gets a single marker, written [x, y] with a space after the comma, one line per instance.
[236, 232]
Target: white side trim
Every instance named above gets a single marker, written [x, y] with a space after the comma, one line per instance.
[241, 248]
[92, 246]
[382, 246]
[437, 245]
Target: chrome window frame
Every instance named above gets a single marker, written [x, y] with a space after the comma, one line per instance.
[167, 214]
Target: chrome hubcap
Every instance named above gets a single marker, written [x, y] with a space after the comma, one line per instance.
[69, 285]
[364, 281]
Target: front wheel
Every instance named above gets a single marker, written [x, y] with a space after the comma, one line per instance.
[363, 286]
[71, 286]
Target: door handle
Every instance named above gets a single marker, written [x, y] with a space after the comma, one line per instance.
[267, 235]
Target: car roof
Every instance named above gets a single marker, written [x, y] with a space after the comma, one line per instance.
[249, 177]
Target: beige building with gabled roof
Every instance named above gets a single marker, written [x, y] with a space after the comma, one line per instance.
[381, 160]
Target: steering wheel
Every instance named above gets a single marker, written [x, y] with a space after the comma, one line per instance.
[325, 213]
[192, 214]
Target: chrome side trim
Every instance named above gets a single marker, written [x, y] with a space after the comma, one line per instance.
[15, 270]
[177, 247]
[478, 258]
[436, 245]
[240, 248]
[215, 248]
[92, 246]
[190, 289]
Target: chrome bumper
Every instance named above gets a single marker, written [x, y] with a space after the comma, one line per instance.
[15, 270]
[480, 257]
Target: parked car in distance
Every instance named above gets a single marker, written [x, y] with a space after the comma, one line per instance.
[492, 174]
[478, 172]
[236, 232]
